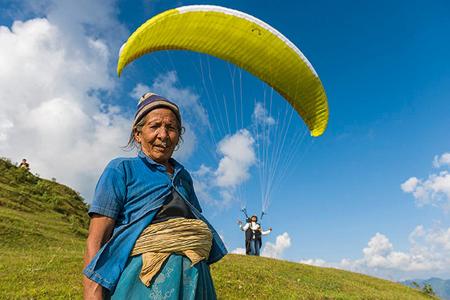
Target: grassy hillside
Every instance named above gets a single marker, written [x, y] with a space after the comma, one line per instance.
[42, 231]
[275, 279]
[42, 228]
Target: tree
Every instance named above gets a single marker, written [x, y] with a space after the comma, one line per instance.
[428, 289]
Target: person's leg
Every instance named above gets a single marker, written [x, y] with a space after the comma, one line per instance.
[253, 247]
[257, 247]
[247, 247]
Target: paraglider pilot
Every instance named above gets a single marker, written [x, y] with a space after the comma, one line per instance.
[253, 233]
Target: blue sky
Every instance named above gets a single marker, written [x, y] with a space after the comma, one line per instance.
[386, 72]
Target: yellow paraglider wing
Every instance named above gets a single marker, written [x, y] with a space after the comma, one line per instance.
[242, 40]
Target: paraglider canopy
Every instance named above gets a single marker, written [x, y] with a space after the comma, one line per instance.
[242, 40]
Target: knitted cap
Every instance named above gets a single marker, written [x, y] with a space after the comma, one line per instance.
[150, 101]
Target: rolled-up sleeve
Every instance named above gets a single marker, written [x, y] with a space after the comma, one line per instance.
[109, 193]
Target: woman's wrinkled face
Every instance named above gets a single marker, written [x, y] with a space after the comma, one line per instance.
[159, 135]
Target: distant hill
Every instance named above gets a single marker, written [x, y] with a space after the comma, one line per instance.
[440, 286]
[43, 227]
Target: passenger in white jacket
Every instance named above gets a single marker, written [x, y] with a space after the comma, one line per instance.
[253, 233]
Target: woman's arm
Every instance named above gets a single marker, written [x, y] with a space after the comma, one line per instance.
[266, 232]
[245, 227]
[100, 230]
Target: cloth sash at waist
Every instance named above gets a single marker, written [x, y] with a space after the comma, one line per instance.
[189, 237]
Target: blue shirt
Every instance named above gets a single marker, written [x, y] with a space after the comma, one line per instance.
[131, 190]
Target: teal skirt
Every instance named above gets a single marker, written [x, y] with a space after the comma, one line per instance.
[176, 280]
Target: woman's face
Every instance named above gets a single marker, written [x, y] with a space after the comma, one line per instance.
[159, 135]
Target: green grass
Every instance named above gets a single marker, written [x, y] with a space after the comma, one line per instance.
[43, 226]
[275, 279]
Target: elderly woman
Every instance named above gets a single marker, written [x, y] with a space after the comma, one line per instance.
[148, 238]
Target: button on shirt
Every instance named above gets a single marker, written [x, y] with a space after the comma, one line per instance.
[131, 191]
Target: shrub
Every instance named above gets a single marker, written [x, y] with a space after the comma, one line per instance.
[428, 289]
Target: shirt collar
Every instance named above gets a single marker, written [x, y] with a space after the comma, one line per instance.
[176, 165]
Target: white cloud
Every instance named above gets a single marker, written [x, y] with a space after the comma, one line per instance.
[202, 184]
[443, 160]
[187, 145]
[238, 157]
[418, 232]
[427, 256]
[276, 250]
[238, 251]
[78, 19]
[410, 185]
[217, 187]
[52, 71]
[314, 262]
[378, 245]
[139, 90]
[435, 190]
[260, 115]
[440, 238]
[167, 85]
[207, 190]
[380, 254]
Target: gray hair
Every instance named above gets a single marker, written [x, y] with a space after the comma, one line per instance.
[132, 144]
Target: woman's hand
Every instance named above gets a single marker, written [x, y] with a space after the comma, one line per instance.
[100, 230]
[239, 222]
